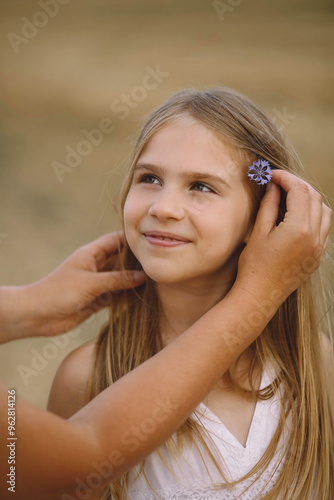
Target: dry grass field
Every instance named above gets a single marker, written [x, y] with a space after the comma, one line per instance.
[65, 75]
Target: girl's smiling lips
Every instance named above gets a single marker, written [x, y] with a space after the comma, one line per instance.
[163, 239]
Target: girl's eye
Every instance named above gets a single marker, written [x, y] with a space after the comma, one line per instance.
[199, 186]
[148, 179]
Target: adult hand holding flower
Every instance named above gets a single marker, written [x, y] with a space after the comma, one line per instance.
[278, 258]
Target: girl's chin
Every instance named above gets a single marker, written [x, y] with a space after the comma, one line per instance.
[162, 278]
[165, 276]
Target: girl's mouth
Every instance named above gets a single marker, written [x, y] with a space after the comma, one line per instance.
[164, 239]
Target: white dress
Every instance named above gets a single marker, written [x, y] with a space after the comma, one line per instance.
[188, 478]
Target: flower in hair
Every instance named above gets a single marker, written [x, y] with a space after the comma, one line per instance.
[260, 171]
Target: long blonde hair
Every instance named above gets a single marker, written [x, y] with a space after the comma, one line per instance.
[291, 340]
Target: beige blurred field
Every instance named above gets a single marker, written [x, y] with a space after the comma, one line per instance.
[66, 76]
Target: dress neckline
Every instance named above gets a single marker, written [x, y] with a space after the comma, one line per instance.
[219, 425]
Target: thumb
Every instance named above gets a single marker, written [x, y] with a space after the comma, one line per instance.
[116, 280]
[268, 212]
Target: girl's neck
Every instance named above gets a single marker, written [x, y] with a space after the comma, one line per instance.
[182, 304]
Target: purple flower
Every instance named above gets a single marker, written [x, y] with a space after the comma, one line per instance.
[260, 171]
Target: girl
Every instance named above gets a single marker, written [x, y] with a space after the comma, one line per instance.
[188, 208]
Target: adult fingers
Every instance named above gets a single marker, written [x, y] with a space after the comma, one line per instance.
[116, 280]
[305, 204]
[104, 246]
[316, 213]
[305, 209]
[298, 196]
[327, 215]
[286, 179]
[268, 212]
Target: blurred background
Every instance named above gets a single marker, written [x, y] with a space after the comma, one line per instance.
[71, 66]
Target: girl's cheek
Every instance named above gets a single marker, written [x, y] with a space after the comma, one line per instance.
[200, 201]
[134, 211]
[130, 204]
[199, 204]
[128, 213]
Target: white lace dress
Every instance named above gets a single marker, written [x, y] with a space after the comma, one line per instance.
[190, 478]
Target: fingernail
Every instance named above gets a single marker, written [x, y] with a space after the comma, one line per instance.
[268, 186]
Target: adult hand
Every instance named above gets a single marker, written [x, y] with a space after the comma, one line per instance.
[66, 297]
[277, 259]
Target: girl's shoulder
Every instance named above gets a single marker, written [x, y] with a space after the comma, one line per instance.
[68, 391]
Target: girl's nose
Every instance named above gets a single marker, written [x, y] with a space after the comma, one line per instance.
[167, 206]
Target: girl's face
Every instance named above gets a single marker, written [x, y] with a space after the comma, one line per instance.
[187, 213]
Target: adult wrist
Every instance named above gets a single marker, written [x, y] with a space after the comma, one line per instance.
[263, 294]
[18, 314]
[254, 309]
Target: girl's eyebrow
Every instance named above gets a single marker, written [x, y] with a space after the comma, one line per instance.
[194, 176]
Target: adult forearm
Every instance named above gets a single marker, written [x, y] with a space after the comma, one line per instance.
[139, 412]
[152, 401]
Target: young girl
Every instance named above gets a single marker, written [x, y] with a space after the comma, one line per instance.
[188, 207]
